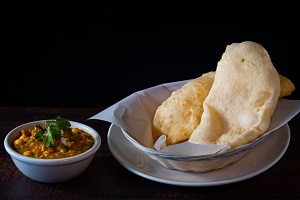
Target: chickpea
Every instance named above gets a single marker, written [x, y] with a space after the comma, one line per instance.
[75, 130]
[26, 132]
[23, 136]
[19, 142]
[27, 153]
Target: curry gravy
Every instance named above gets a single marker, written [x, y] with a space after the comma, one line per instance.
[71, 144]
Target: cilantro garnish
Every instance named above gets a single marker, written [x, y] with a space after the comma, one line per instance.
[52, 131]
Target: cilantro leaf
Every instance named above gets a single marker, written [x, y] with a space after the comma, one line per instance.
[63, 124]
[52, 131]
[40, 133]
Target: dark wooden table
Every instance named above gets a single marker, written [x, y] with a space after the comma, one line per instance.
[106, 178]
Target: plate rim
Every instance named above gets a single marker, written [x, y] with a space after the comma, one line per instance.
[138, 171]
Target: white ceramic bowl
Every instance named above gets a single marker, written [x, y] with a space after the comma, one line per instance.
[202, 163]
[51, 170]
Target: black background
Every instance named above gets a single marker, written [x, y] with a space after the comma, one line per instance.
[87, 53]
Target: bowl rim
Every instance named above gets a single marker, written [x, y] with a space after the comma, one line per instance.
[57, 161]
[163, 155]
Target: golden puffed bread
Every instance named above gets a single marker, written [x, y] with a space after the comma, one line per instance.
[286, 85]
[170, 116]
[179, 115]
[242, 99]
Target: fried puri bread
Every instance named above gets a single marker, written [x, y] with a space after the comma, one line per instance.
[170, 118]
[286, 86]
[179, 115]
[242, 99]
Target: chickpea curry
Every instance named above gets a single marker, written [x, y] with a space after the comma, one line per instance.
[56, 139]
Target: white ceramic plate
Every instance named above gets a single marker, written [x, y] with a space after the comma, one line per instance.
[259, 159]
